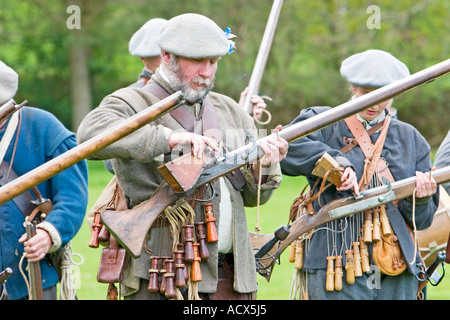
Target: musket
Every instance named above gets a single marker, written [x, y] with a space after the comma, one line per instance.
[130, 227]
[425, 277]
[261, 58]
[4, 275]
[340, 208]
[34, 269]
[9, 108]
[75, 155]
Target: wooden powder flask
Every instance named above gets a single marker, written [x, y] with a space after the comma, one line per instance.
[330, 274]
[376, 225]
[170, 292]
[364, 251]
[385, 226]
[112, 293]
[292, 251]
[153, 282]
[357, 259]
[180, 277]
[162, 272]
[338, 273]
[299, 255]
[96, 227]
[210, 220]
[368, 226]
[350, 267]
[188, 243]
[201, 236]
[196, 273]
[180, 247]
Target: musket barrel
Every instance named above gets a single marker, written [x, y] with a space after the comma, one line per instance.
[263, 54]
[354, 106]
[301, 129]
[80, 152]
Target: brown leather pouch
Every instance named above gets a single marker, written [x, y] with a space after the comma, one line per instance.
[113, 262]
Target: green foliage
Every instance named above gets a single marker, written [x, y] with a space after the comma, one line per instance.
[311, 40]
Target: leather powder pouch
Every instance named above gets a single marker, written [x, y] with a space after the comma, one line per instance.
[113, 262]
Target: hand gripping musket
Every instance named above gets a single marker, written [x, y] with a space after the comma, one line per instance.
[34, 269]
[130, 227]
[261, 58]
[75, 155]
[341, 208]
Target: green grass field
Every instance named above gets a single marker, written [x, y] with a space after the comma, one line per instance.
[271, 216]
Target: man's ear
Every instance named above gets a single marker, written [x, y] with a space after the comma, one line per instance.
[165, 56]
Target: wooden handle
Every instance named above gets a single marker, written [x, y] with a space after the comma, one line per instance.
[376, 233]
[350, 267]
[196, 273]
[210, 220]
[329, 285]
[357, 259]
[188, 243]
[338, 273]
[96, 227]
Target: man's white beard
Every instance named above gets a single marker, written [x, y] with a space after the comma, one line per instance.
[175, 77]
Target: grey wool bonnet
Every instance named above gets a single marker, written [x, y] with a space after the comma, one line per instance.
[373, 69]
[144, 43]
[194, 36]
[9, 83]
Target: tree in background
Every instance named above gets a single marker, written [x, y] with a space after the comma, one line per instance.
[68, 70]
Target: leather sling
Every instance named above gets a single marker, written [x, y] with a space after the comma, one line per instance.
[371, 151]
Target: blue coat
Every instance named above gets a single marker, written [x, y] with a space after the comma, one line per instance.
[405, 151]
[42, 137]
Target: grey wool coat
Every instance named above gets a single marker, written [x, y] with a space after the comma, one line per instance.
[135, 161]
[405, 152]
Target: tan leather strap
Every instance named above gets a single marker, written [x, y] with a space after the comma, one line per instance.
[371, 151]
[186, 119]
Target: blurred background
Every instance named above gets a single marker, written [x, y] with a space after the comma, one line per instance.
[68, 71]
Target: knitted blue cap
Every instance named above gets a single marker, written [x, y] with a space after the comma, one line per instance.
[143, 42]
[373, 69]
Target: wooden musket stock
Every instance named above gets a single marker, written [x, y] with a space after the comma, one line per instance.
[75, 155]
[402, 189]
[130, 227]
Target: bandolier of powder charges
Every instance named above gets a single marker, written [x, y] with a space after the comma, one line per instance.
[368, 228]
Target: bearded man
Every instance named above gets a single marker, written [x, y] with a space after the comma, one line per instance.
[192, 46]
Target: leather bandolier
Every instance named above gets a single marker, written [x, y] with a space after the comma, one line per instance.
[386, 253]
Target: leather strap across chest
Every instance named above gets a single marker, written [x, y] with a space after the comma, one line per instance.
[207, 124]
[371, 151]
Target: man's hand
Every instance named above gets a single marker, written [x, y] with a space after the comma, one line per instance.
[425, 184]
[37, 247]
[349, 181]
[258, 104]
[197, 142]
[275, 149]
